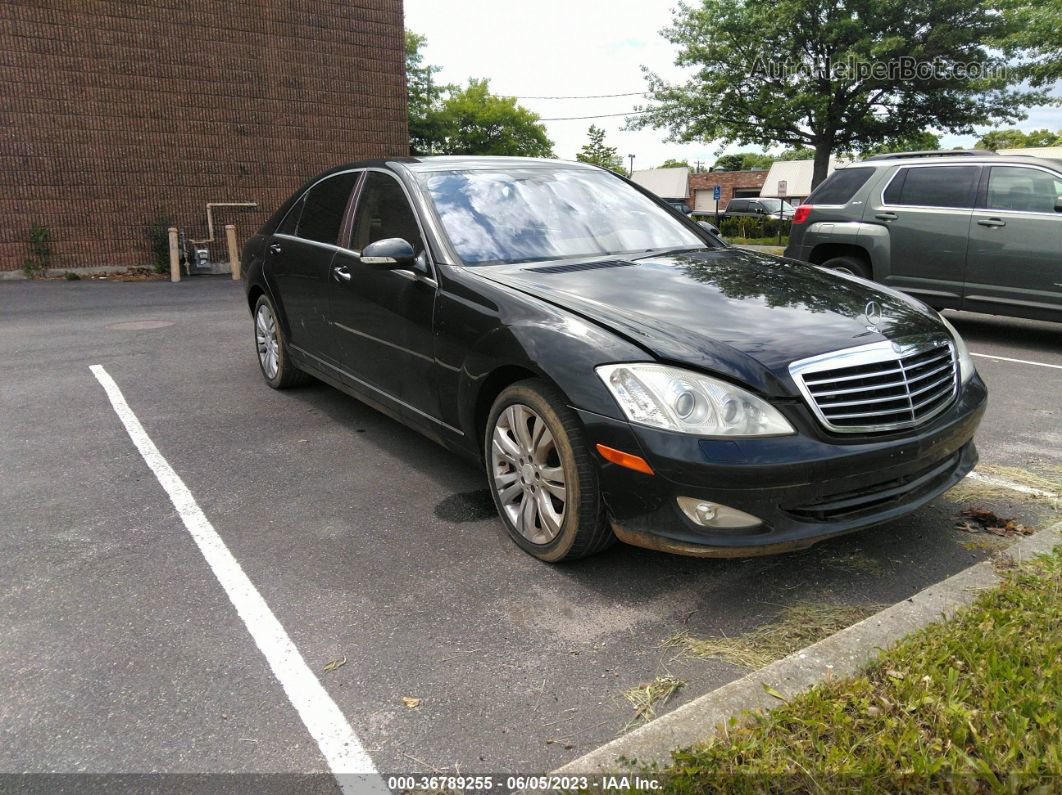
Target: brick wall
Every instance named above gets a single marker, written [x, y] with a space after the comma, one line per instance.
[727, 181]
[111, 109]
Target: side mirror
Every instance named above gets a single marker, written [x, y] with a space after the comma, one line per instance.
[709, 227]
[392, 252]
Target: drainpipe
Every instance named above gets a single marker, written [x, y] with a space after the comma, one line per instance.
[210, 216]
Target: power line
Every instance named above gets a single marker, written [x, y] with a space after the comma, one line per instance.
[590, 96]
[599, 116]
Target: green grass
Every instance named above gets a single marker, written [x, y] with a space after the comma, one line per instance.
[972, 704]
[737, 240]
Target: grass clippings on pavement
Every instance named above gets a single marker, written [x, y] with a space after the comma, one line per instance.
[967, 705]
[646, 698]
[798, 626]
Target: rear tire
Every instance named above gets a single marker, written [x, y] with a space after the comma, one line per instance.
[541, 474]
[850, 265]
[272, 347]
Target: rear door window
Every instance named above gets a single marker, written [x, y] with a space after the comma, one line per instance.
[738, 205]
[324, 206]
[1023, 189]
[291, 220]
[840, 186]
[934, 186]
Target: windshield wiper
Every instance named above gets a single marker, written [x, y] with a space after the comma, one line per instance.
[661, 252]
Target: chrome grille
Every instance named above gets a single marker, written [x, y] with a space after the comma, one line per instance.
[883, 386]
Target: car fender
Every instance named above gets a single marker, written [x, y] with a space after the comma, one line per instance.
[871, 238]
[478, 339]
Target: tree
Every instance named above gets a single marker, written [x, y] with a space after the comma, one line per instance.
[594, 151]
[1033, 34]
[472, 121]
[800, 153]
[834, 75]
[424, 97]
[1016, 139]
[676, 164]
[743, 161]
[919, 142]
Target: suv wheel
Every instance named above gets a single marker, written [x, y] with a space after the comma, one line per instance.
[849, 265]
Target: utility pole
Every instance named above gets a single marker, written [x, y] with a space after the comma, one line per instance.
[632, 165]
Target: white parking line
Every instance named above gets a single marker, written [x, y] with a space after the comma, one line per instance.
[346, 756]
[1017, 361]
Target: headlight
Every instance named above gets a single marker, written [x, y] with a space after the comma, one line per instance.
[966, 365]
[679, 400]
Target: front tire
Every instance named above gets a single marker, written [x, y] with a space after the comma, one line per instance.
[277, 368]
[541, 475]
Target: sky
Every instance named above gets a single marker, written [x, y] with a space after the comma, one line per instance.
[557, 48]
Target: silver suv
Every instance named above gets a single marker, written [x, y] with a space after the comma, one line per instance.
[960, 230]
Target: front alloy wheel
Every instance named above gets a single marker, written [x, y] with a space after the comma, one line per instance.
[542, 476]
[528, 476]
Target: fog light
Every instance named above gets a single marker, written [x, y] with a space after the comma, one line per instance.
[716, 516]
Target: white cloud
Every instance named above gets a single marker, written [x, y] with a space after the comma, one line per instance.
[575, 47]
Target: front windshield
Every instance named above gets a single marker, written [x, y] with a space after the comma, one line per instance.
[535, 214]
[772, 205]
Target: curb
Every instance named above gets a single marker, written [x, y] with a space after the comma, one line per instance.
[841, 654]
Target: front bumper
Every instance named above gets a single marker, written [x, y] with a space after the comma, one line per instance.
[803, 488]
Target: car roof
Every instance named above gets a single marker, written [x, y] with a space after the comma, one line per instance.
[988, 158]
[460, 162]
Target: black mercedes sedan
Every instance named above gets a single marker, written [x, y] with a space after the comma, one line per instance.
[615, 369]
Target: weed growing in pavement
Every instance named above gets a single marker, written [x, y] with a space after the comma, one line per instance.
[40, 259]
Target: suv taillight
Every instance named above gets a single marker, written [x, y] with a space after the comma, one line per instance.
[800, 215]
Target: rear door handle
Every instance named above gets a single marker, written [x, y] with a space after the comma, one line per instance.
[991, 222]
[886, 216]
[275, 248]
[341, 273]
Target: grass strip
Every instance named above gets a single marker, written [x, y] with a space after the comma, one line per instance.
[971, 704]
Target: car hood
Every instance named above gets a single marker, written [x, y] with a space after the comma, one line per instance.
[733, 311]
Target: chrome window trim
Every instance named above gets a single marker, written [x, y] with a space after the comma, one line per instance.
[1030, 167]
[875, 353]
[881, 195]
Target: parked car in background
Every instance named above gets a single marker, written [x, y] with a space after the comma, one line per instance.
[758, 208]
[961, 230]
[680, 205]
[614, 369]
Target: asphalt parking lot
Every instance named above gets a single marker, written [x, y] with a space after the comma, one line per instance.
[370, 544]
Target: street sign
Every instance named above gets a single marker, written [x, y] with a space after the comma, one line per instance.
[782, 185]
[717, 192]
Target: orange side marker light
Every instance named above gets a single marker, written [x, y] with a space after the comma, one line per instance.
[637, 463]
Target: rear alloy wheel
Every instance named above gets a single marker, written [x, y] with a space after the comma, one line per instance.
[850, 265]
[277, 368]
[541, 475]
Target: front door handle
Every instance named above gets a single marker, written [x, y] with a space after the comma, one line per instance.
[886, 216]
[275, 248]
[991, 222]
[341, 273]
